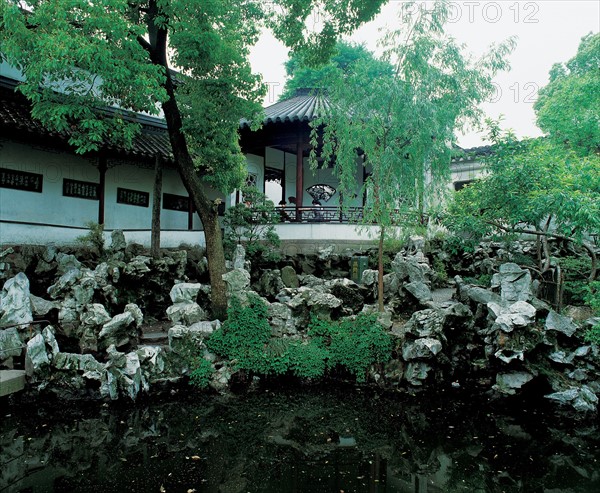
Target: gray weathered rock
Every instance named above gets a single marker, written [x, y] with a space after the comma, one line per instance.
[281, 320]
[40, 306]
[94, 315]
[238, 281]
[509, 383]
[239, 257]
[77, 362]
[561, 357]
[185, 291]
[582, 399]
[318, 303]
[138, 266]
[183, 339]
[15, 304]
[10, 343]
[220, 379]
[416, 372]
[508, 355]
[270, 283]
[36, 356]
[411, 267]
[83, 290]
[136, 313]
[349, 292]
[50, 340]
[67, 263]
[424, 348]
[369, 277]
[325, 253]
[64, 283]
[120, 330]
[289, 277]
[560, 323]
[514, 283]
[186, 312]
[420, 291]
[507, 317]
[117, 241]
[425, 323]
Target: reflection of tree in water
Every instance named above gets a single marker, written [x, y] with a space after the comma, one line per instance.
[304, 441]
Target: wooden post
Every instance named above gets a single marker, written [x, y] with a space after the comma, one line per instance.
[102, 166]
[299, 178]
[156, 204]
[190, 214]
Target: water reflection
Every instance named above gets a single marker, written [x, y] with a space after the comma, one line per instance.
[303, 441]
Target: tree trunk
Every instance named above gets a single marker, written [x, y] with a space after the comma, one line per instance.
[156, 203]
[380, 271]
[207, 209]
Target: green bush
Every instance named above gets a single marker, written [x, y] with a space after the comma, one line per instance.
[593, 300]
[201, 375]
[354, 344]
[245, 339]
[93, 240]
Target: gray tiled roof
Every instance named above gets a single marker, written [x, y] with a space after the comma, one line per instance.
[303, 107]
[15, 117]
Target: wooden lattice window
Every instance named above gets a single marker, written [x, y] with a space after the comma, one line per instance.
[174, 202]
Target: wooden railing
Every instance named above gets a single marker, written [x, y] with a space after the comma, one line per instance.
[333, 214]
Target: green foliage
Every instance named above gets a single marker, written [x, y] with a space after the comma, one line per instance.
[301, 76]
[530, 186]
[593, 300]
[93, 239]
[401, 124]
[252, 223]
[245, 339]
[201, 374]
[568, 108]
[354, 344]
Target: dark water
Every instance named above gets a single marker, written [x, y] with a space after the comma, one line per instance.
[305, 440]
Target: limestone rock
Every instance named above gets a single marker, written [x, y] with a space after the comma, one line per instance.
[509, 383]
[239, 257]
[514, 283]
[120, 330]
[560, 323]
[582, 399]
[270, 283]
[508, 317]
[136, 313]
[15, 304]
[117, 241]
[281, 320]
[186, 312]
[369, 277]
[425, 348]
[185, 291]
[420, 291]
[64, 283]
[416, 372]
[138, 266]
[238, 281]
[412, 267]
[10, 343]
[36, 356]
[67, 263]
[94, 315]
[289, 277]
[40, 306]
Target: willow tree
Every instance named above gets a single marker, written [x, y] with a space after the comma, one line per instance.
[402, 126]
[79, 56]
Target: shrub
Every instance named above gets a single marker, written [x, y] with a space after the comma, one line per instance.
[202, 373]
[93, 240]
[353, 343]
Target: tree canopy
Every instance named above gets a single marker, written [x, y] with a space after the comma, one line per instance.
[568, 108]
[186, 58]
[302, 76]
[401, 125]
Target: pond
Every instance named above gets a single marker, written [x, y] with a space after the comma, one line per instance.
[304, 440]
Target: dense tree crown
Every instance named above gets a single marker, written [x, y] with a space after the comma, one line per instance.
[78, 56]
[302, 76]
[568, 108]
[401, 124]
[549, 187]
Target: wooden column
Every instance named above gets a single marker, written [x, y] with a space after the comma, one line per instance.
[156, 203]
[283, 197]
[102, 166]
[299, 178]
[190, 214]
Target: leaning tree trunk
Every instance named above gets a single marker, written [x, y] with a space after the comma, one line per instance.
[156, 45]
[207, 209]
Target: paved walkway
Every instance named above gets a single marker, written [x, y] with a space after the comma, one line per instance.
[11, 381]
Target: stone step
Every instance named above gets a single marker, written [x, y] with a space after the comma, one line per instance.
[154, 337]
[11, 381]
